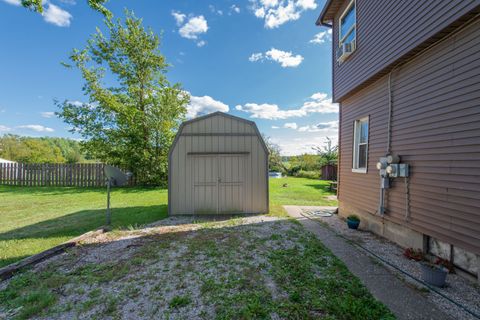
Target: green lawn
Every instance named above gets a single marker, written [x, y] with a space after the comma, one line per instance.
[33, 219]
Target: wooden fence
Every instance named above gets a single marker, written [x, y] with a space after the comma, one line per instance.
[59, 174]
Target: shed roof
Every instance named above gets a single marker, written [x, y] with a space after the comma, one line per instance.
[223, 114]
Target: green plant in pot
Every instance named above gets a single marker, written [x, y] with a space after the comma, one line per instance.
[353, 221]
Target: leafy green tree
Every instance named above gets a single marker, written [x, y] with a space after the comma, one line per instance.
[328, 152]
[274, 158]
[37, 6]
[30, 150]
[132, 122]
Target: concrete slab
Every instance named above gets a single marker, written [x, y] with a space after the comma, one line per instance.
[404, 301]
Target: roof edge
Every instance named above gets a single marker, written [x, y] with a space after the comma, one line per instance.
[321, 17]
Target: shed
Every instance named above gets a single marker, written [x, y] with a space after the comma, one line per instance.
[218, 164]
[329, 172]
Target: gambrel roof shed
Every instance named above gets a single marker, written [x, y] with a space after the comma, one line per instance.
[218, 164]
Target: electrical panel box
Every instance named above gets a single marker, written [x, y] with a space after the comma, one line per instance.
[398, 170]
[403, 170]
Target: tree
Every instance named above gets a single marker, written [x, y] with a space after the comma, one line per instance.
[30, 150]
[274, 158]
[37, 6]
[328, 152]
[131, 123]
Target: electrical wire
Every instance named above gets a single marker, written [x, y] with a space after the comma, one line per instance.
[461, 306]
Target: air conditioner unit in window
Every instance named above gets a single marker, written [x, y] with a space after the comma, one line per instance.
[345, 50]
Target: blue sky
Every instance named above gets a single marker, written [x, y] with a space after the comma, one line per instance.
[264, 60]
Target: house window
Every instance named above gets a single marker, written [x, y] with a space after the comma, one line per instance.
[360, 145]
[347, 32]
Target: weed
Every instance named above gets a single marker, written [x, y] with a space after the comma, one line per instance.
[180, 301]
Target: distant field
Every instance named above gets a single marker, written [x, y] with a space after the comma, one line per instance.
[33, 219]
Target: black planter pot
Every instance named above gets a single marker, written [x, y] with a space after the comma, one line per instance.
[434, 275]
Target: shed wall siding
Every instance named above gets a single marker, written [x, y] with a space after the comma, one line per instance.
[239, 137]
[436, 129]
[389, 30]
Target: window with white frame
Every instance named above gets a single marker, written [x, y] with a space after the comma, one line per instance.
[360, 145]
[348, 25]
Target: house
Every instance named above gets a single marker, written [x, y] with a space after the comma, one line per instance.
[218, 164]
[406, 75]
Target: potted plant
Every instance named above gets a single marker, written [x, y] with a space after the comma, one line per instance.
[434, 274]
[353, 221]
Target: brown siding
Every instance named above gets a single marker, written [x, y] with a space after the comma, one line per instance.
[388, 31]
[436, 129]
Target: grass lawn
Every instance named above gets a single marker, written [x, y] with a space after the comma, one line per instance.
[33, 219]
[260, 267]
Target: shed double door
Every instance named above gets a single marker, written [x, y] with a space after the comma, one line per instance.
[218, 184]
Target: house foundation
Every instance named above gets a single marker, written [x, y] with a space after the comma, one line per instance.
[466, 263]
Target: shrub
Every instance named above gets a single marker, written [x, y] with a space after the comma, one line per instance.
[307, 174]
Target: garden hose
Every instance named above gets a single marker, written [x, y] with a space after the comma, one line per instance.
[461, 306]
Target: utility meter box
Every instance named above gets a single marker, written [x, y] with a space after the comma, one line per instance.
[398, 170]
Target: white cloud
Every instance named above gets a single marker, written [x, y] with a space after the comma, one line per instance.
[234, 8]
[56, 15]
[275, 127]
[318, 96]
[290, 125]
[36, 127]
[179, 17]
[298, 145]
[255, 57]
[204, 105]
[51, 13]
[317, 103]
[322, 37]
[4, 128]
[286, 59]
[201, 43]
[14, 2]
[331, 126]
[277, 12]
[47, 114]
[215, 10]
[194, 27]
[268, 111]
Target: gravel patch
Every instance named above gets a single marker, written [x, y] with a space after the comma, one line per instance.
[168, 263]
[459, 289]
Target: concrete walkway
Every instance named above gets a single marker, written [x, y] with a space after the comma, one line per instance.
[404, 301]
